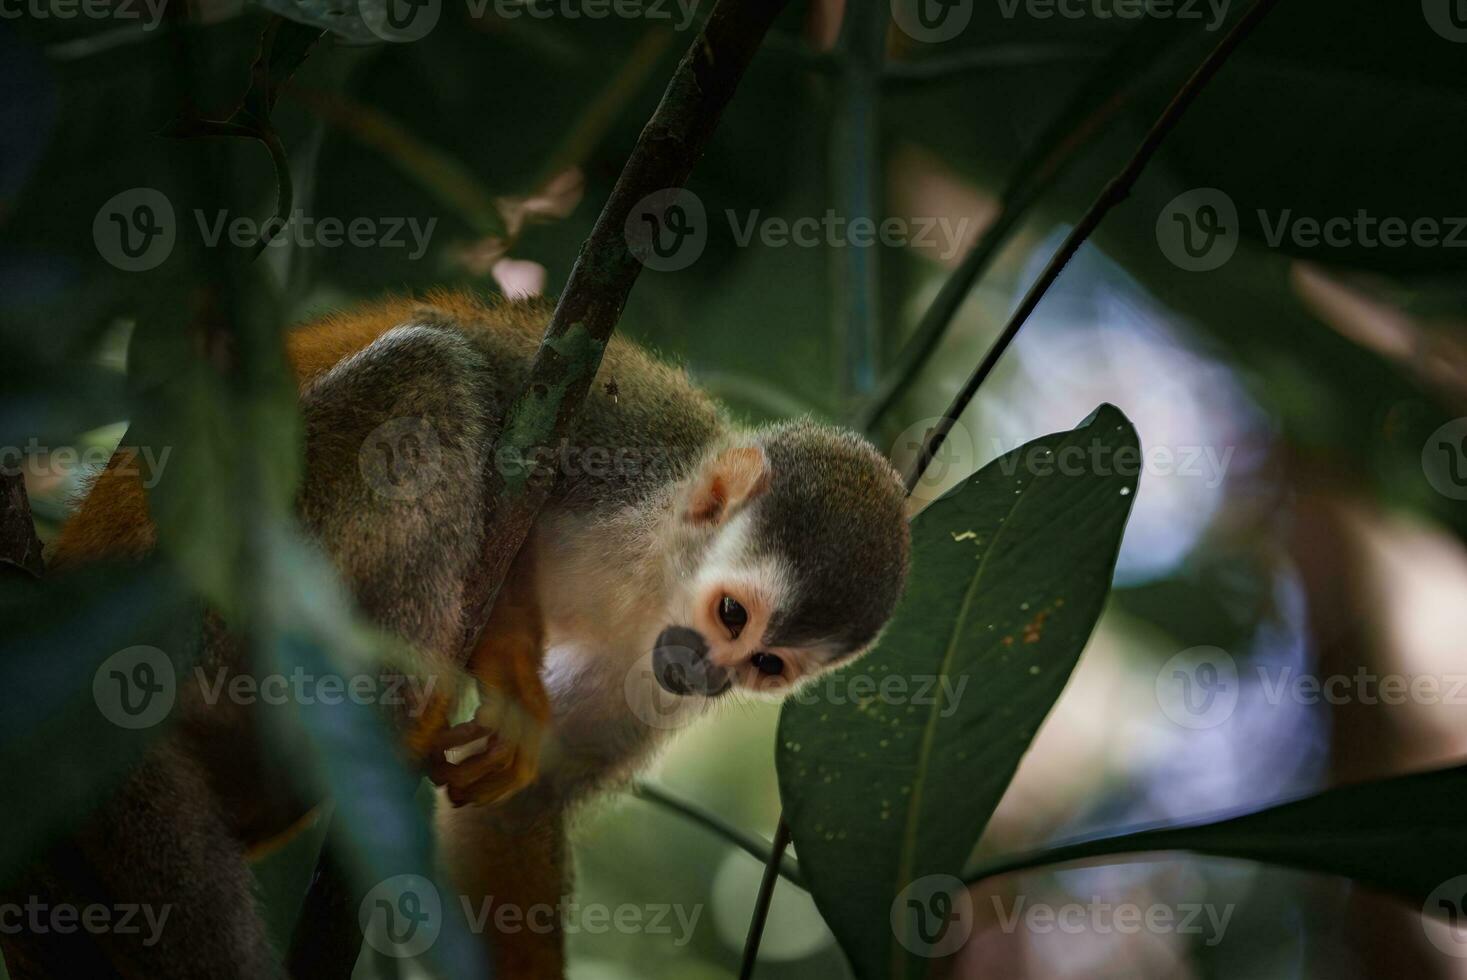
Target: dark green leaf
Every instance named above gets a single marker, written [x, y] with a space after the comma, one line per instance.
[890, 790]
[1402, 835]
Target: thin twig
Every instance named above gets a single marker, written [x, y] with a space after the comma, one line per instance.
[1116, 191]
[748, 843]
[764, 899]
[854, 162]
[284, 46]
[1074, 129]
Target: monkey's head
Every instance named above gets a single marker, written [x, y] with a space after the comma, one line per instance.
[794, 550]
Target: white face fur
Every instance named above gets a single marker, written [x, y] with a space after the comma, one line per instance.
[730, 602]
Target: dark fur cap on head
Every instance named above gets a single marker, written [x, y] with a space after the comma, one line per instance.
[835, 506]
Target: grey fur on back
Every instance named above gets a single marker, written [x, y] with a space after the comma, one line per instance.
[642, 424]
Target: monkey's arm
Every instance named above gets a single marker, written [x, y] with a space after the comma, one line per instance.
[502, 742]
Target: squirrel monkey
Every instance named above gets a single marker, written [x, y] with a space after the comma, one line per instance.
[678, 559]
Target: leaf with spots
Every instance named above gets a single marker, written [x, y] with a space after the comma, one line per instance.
[890, 768]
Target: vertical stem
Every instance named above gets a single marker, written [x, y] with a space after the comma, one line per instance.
[854, 163]
[765, 897]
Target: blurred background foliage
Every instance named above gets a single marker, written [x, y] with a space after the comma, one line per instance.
[1313, 542]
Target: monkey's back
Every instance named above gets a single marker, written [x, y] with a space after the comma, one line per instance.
[642, 415]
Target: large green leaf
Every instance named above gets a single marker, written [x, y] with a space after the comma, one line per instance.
[890, 769]
[1403, 835]
[307, 629]
[226, 435]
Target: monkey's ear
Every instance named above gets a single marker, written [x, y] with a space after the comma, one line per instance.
[732, 479]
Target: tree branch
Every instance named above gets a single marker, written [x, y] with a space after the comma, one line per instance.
[19, 545]
[600, 281]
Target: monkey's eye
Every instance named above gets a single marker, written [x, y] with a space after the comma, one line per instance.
[733, 615]
[767, 663]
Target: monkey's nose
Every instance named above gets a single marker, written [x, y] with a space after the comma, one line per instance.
[681, 665]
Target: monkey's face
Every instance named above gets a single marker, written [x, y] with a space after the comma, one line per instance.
[721, 638]
[805, 557]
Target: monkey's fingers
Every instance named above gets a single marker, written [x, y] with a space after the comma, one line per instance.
[489, 777]
[516, 773]
[452, 747]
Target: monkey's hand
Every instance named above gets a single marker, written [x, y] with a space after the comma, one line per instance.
[491, 758]
[497, 754]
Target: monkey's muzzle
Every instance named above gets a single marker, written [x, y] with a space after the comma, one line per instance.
[681, 665]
